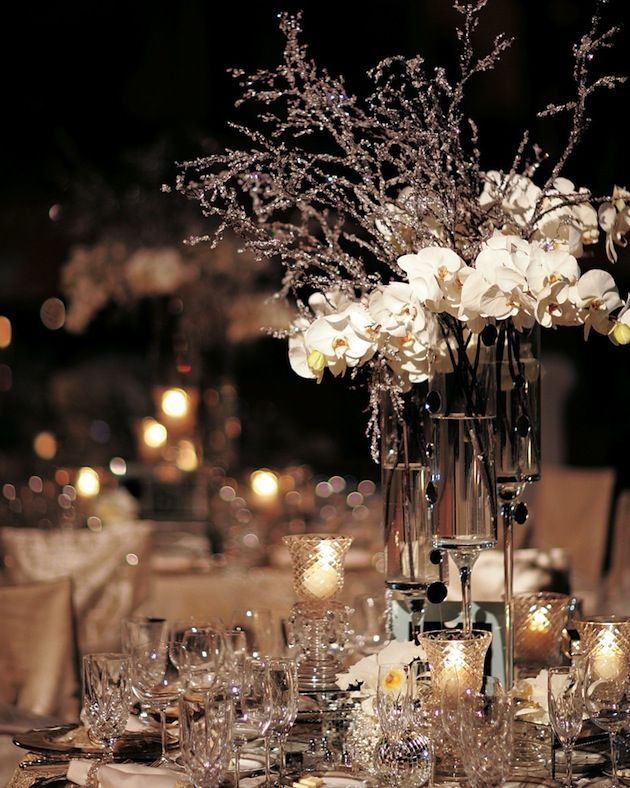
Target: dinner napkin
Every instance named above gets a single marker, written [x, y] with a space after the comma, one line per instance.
[127, 775]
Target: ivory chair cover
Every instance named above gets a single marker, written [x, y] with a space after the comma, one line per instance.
[38, 656]
[109, 570]
[618, 580]
[570, 508]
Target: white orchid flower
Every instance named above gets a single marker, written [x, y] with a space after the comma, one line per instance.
[597, 297]
[548, 268]
[302, 362]
[567, 222]
[328, 303]
[496, 288]
[346, 339]
[433, 274]
[556, 306]
[614, 219]
[396, 309]
[517, 194]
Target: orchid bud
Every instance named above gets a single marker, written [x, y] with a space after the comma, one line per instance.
[620, 333]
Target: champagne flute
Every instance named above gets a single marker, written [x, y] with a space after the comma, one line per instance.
[106, 697]
[565, 694]
[257, 704]
[607, 698]
[284, 703]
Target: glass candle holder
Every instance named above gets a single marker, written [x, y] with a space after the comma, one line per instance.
[317, 565]
[456, 659]
[317, 622]
[606, 641]
[539, 620]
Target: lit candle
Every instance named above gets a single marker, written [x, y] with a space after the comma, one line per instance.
[608, 658]
[452, 673]
[321, 577]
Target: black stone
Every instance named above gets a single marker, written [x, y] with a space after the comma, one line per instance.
[435, 556]
[523, 426]
[520, 513]
[436, 592]
[431, 493]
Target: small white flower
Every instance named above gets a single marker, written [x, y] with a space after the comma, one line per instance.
[597, 297]
[614, 219]
[346, 339]
[433, 274]
[552, 267]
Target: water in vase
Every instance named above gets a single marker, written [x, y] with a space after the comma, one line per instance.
[464, 484]
[408, 529]
[517, 448]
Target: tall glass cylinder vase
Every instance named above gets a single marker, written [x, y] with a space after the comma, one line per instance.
[462, 405]
[517, 447]
[414, 570]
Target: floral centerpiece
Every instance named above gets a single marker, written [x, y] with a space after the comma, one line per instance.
[406, 256]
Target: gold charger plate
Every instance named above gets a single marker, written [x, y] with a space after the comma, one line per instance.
[73, 740]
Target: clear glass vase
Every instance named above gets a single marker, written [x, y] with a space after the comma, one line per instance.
[517, 448]
[413, 568]
[462, 402]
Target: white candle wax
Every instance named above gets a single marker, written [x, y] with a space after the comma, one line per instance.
[320, 580]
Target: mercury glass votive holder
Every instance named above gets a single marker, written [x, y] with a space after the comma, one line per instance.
[606, 641]
[539, 621]
[456, 659]
[318, 570]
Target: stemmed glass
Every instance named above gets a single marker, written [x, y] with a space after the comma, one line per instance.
[517, 447]
[283, 680]
[106, 697]
[486, 734]
[565, 695]
[154, 679]
[205, 731]
[257, 704]
[607, 699]
[257, 624]
[180, 627]
[201, 657]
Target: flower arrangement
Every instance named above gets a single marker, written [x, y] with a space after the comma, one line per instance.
[400, 249]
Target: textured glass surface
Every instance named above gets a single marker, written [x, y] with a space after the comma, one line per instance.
[453, 655]
[317, 564]
[539, 619]
[606, 640]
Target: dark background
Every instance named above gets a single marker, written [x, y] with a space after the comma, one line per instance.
[101, 100]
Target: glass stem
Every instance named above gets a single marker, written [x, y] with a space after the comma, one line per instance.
[267, 759]
[464, 576]
[237, 765]
[568, 757]
[163, 739]
[613, 758]
[282, 762]
[507, 509]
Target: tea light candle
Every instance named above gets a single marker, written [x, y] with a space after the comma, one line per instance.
[537, 638]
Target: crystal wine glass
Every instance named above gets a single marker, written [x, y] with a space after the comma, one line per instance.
[205, 731]
[154, 679]
[607, 698]
[201, 654]
[106, 697]
[486, 734]
[180, 627]
[566, 707]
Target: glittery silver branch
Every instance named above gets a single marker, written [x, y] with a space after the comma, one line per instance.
[337, 188]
